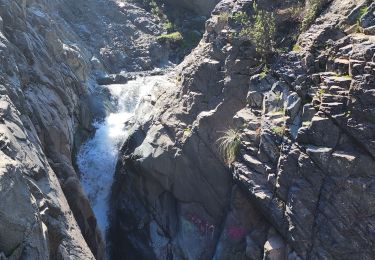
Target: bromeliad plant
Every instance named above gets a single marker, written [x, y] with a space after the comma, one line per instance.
[229, 145]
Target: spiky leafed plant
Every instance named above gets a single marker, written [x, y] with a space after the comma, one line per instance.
[229, 145]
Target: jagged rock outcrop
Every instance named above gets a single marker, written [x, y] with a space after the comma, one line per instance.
[301, 186]
[314, 151]
[118, 33]
[36, 221]
[175, 160]
[40, 114]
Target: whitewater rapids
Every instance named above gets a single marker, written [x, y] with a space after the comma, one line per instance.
[97, 157]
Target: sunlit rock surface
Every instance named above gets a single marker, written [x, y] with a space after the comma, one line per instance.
[94, 154]
[303, 174]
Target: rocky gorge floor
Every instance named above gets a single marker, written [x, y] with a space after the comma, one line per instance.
[300, 185]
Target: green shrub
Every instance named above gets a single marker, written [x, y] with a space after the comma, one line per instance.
[278, 130]
[187, 130]
[153, 7]
[279, 110]
[312, 9]
[169, 26]
[263, 32]
[362, 11]
[241, 18]
[224, 17]
[296, 47]
[320, 93]
[346, 76]
[175, 36]
[264, 72]
[229, 145]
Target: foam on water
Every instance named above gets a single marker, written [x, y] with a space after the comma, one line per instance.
[97, 158]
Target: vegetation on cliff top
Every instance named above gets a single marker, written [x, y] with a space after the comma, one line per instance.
[259, 29]
[312, 9]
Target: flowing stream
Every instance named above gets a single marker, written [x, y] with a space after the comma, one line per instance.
[97, 157]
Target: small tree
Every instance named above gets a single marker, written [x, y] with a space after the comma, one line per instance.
[312, 9]
[263, 32]
[260, 30]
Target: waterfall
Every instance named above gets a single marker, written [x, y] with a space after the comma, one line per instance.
[97, 157]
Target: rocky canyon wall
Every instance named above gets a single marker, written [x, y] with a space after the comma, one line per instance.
[301, 185]
[41, 80]
[51, 54]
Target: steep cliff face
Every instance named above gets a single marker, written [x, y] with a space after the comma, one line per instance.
[51, 53]
[41, 84]
[300, 187]
[301, 184]
[310, 173]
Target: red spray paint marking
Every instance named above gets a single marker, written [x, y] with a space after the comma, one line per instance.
[204, 227]
[235, 232]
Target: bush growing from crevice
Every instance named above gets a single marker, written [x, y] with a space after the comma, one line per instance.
[157, 10]
[313, 7]
[263, 32]
[362, 12]
[264, 72]
[169, 26]
[224, 17]
[183, 29]
[259, 29]
[174, 37]
[296, 47]
[229, 145]
[278, 130]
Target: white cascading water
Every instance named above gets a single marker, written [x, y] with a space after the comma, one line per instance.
[98, 156]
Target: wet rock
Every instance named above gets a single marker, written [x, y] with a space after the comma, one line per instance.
[114, 79]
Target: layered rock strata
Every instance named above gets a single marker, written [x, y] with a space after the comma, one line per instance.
[301, 186]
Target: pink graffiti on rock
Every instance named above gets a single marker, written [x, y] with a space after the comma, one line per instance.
[204, 227]
[236, 232]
